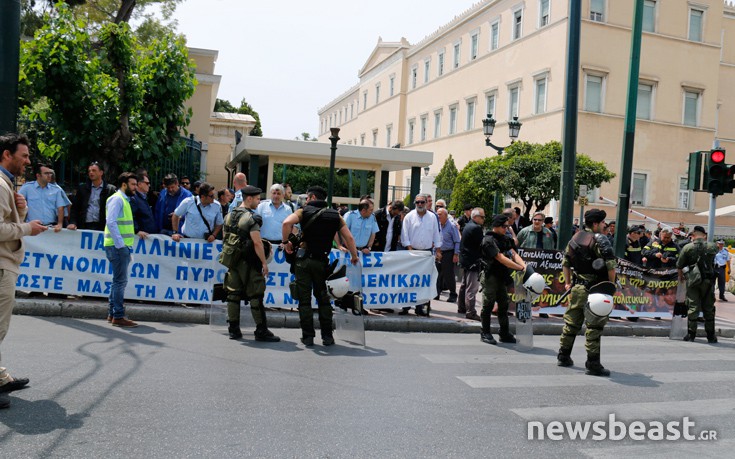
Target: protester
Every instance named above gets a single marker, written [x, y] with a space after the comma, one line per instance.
[362, 225]
[389, 227]
[46, 202]
[88, 209]
[119, 238]
[238, 183]
[287, 197]
[14, 157]
[661, 254]
[168, 201]
[465, 217]
[470, 260]
[633, 251]
[202, 216]
[536, 236]
[449, 256]
[143, 220]
[224, 197]
[699, 256]
[273, 212]
[186, 183]
[549, 224]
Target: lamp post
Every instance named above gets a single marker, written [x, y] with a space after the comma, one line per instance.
[488, 126]
[426, 171]
[334, 138]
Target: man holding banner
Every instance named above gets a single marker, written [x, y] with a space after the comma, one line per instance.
[590, 255]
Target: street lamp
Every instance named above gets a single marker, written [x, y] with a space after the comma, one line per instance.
[334, 138]
[488, 126]
[426, 171]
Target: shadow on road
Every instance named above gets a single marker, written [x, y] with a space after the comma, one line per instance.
[39, 417]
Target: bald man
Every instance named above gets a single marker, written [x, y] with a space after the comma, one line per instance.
[238, 183]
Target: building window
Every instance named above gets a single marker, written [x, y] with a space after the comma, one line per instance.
[456, 55]
[452, 120]
[696, 20]
[597, 10]
[490, 103]
[517, 24]
[427, 68]
[375, 137]
[494, 34]
[593, 90]
[437, 124]
[684, 194]
[644, 107]
[539, 105]
[364, 100]
[411, 129]
[649, 16]
[691, 107]
[544, 9]
[471, 104]
[362, 139]
[474, 45]
[340, 117]
[514, 94]
[352, 111]
[392, 85]
[388, 132]
[440, 66]
[377, 93]
[414, 76]
[424, 127]
[638, 194]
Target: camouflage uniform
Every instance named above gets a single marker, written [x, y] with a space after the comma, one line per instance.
[700, 296]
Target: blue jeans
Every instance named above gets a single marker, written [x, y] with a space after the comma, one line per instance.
[119, 259]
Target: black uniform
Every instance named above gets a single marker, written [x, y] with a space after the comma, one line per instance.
[495, 283]
[633, 252]
[379, 245]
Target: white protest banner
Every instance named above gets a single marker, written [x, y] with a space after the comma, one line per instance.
[74, 263]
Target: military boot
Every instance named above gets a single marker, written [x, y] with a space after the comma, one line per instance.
[234, 329]
[563, 358]
[594, 367]
[263, 334]
[327, 339]
[690, 336]
[711, 338]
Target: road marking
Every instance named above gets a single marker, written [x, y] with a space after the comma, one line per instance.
[665, 450]
[516, 358]
[580, 379]
[631, 411]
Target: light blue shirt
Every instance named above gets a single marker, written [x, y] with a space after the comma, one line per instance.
[272, 219]
[93, 207]
[115, 211]
[361, 228]
[43, 202]
[722, 257]
[194, 225]
[237, 200]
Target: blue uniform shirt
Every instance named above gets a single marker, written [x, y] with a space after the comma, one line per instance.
[361, 228]
[272, 219]
[43, 202]
[194, 225]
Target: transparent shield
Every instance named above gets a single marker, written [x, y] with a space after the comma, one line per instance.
[350, 324]
[678, 327]
[524, 327]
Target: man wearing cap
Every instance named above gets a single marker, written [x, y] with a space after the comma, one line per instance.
[498, 252]
[700, 292]
[633, 245]
[246, 278]
[312, 259]
[581, 271]
[549, 224]
[721, 260]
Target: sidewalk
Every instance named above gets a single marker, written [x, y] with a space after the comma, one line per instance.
[444, 317]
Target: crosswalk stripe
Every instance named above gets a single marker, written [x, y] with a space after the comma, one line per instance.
[611, 342]
[581, 379]
[632, 411]
[516, 358]
[665, 450]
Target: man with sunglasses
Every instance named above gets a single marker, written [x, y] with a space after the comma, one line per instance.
[500, 257]
[88, 210]
[536, 236]
[143, 220]
[421, 232]
[469, 259]
[203, 216]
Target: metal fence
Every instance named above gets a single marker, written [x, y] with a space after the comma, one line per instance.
[398, 192]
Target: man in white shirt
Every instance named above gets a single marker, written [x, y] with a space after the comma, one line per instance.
[421, 232]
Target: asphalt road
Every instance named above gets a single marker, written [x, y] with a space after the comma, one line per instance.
[182, 390]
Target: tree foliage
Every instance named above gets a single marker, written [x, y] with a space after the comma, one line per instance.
[302, 177]
[529, 173]
[445, 179]
[105, 96]
[221, 105]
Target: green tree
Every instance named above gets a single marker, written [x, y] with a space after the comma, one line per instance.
[221, 105]
[445, 179]
[302, 177]
[104, 96]
[529, 173]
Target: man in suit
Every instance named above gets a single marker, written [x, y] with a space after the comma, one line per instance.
[88, 210]
[389, 225]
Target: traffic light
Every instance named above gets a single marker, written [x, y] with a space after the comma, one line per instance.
[730, 179]
[694, 176]
[716, 172]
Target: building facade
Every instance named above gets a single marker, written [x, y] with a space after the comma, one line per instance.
[508, 58]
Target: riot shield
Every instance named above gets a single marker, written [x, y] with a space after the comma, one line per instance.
[679, 321]
[349, 317]
[524, 327]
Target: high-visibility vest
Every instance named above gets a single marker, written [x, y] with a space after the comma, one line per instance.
[124, 223]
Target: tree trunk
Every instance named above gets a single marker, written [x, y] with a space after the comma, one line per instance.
[126, 11]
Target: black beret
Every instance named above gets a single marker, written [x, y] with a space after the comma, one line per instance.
[699, 229]
[594, 216]
[499, 220]
[250, 190]
[548, 220]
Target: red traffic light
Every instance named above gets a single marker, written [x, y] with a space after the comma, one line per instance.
[717, 156]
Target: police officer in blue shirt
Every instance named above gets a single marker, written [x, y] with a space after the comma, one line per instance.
[721, 260]
[362, 225]
[273, 212]
[203, 216]
[46, 202]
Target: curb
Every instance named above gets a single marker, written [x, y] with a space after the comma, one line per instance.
[285, 319]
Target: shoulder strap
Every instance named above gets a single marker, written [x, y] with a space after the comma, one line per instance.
[308, 224]
[209, 230]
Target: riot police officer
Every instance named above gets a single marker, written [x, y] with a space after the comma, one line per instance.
[590, 256]
[244, 254]
[700, 292]
[499, 256]
[312, 260]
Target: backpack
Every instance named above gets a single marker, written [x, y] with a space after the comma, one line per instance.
[233, 249]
